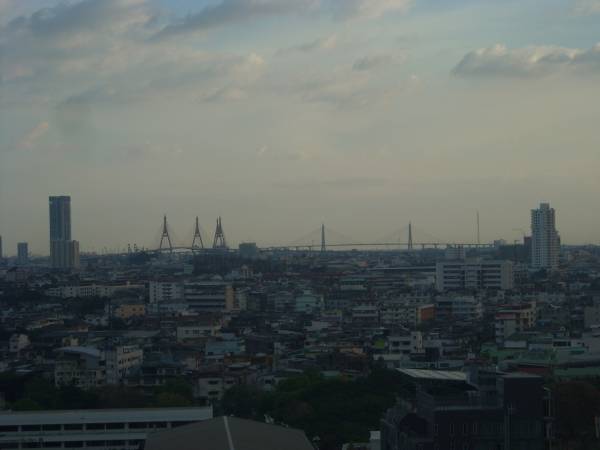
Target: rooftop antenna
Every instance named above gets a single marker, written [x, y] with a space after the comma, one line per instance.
[478, 231]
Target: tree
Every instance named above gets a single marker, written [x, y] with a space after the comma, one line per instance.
[577, 403]
[169, 399]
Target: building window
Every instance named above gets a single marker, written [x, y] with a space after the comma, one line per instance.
[475, 428]
[452, 430]
[465, 429]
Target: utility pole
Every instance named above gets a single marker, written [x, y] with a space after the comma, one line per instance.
[323, 245]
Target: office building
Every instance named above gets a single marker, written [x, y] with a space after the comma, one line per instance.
[208, 295]
[60, 218]
[64, 252]
[472, 276]
[22, 253]
[545, 240]
[482, 410]
[115, 429]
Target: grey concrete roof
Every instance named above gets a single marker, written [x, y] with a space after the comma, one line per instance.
[229, 433]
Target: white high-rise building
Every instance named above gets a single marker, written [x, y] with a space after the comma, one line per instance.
[545, 241]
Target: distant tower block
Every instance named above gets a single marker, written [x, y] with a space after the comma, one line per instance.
[410, 237]
[165, 236]
[323, 244]
[219, 241]
[197, 237]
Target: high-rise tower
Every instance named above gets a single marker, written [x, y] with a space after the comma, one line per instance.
[545, 240]
[22, 253]
[64, 252]
[60, 218]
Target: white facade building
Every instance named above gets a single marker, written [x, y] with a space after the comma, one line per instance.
[545, 240]
[165, 291]
[107, 429]
[476, 275]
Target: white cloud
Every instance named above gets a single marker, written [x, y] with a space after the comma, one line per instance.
[326, 43]
[373, 62]
[532, 61]
[235, 11]
[371, 9]
[586, 7]
[98, 51]
[28, 141]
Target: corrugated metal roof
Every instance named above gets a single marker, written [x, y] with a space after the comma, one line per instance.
[441, 375]
[106, 416]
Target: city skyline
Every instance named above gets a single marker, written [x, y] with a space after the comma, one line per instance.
[186, 240]
[280, 115]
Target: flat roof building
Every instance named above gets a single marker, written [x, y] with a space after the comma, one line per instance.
[102, 429]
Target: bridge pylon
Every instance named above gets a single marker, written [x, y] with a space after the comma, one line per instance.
[197, 237]
[165, 235]
[219, 242]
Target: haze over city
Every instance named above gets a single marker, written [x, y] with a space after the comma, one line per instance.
[279, 115]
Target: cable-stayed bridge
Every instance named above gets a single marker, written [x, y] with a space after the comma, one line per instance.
[320, 239]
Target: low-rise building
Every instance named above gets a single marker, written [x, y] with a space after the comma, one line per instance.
[474, 275]
[107, 429]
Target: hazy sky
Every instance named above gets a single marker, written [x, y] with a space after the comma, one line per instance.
[281, 114]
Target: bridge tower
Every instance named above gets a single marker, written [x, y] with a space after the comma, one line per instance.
[197, 236]
[410, 237]
[219, 242]
[165, 235]
[323, 245]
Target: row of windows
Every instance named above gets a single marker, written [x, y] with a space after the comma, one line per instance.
[71, 444]
[89, 426]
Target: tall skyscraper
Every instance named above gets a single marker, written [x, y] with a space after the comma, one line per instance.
[64, 252]
[22, 253]
[545, 240]
[1, 254]
[60, 218]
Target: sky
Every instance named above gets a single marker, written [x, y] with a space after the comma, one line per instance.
[280, 115]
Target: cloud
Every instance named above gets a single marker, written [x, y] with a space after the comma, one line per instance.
[372, 62]
[35, 134]
[371, 9]
[229, 12]
[326, 43]
[97, 52]
[82, 18]
[587, 7]
[533, 61]
[233, 11]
